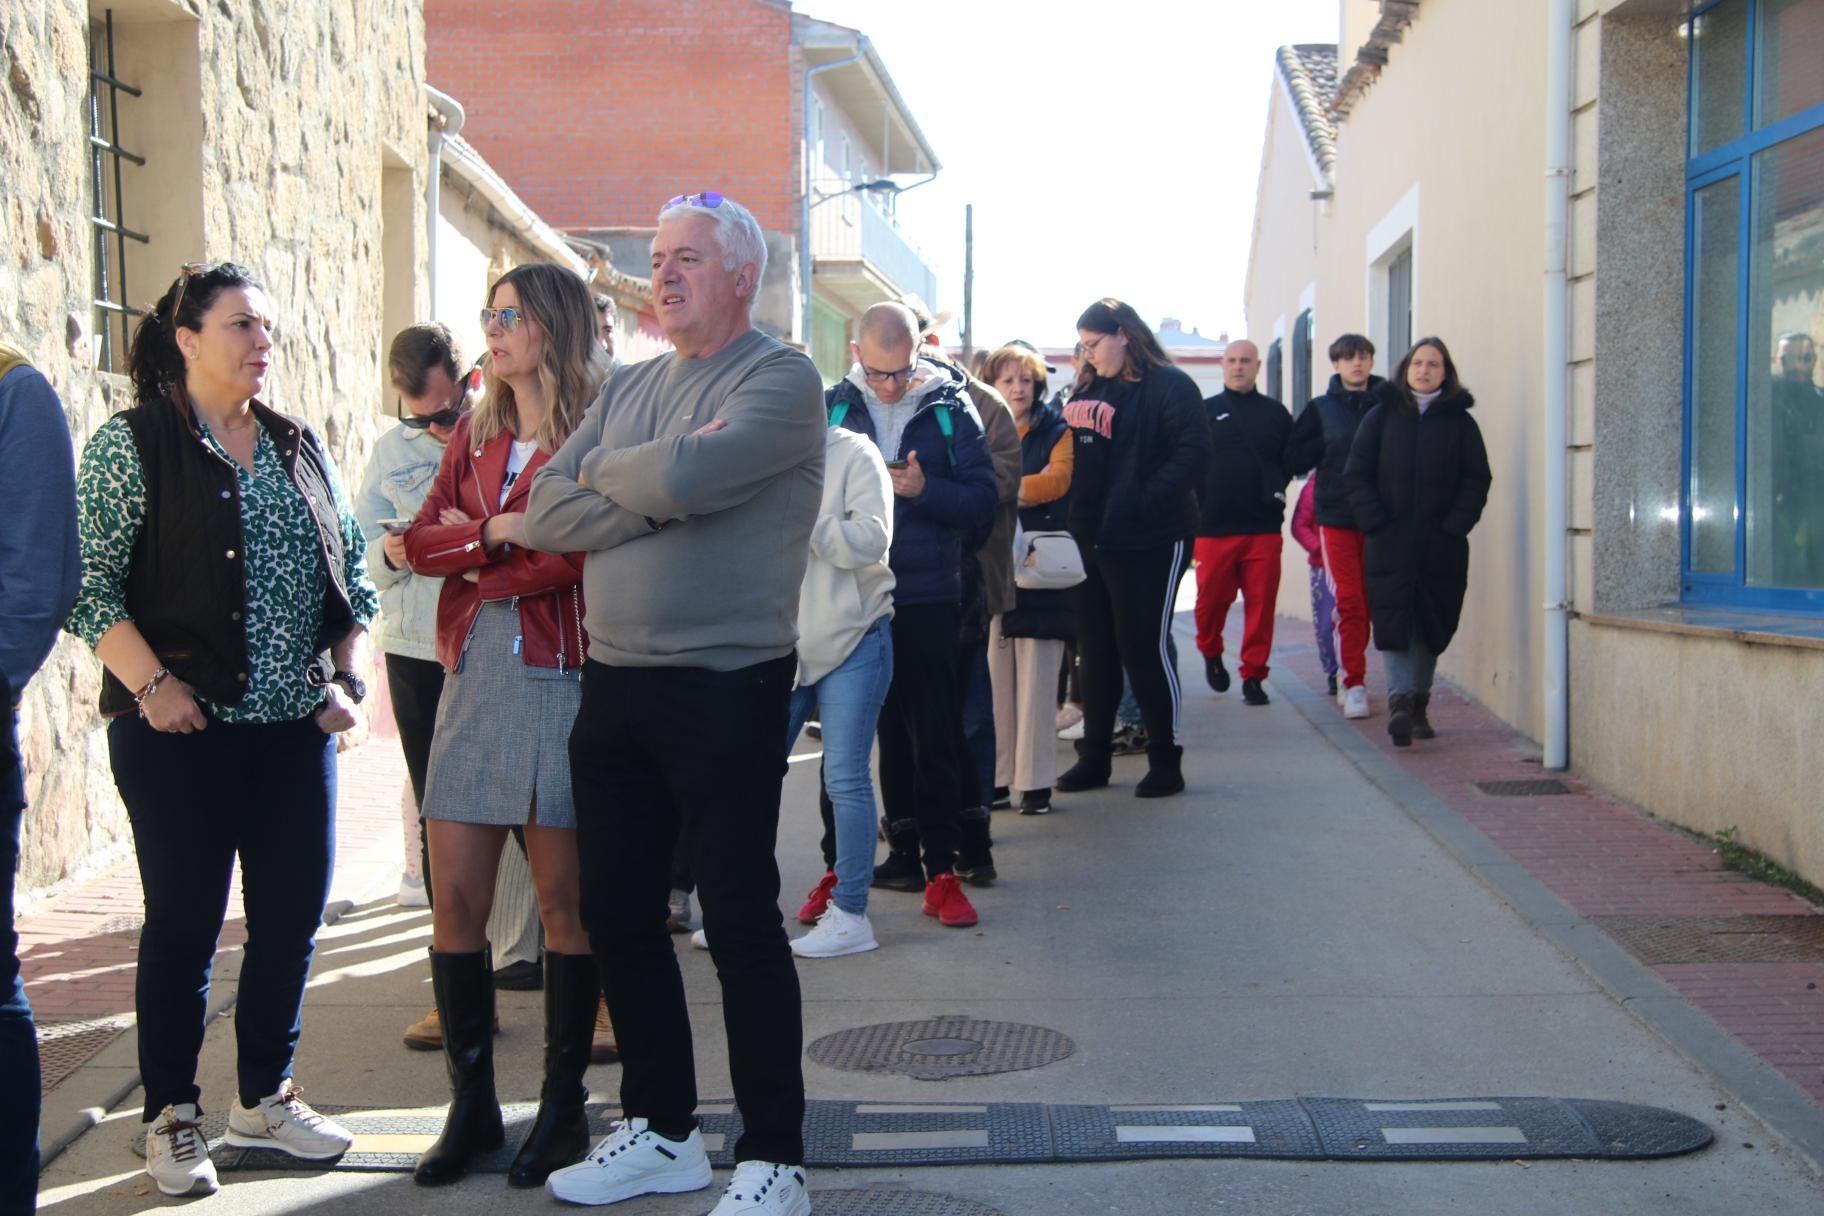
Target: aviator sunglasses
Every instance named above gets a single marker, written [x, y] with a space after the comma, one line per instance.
[703, 198]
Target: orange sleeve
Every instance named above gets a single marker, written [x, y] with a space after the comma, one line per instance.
[1053, 481]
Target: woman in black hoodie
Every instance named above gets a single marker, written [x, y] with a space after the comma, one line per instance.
[1141, 444]
[1418, 478]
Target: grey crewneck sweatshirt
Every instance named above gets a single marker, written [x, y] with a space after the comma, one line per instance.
[696, 544]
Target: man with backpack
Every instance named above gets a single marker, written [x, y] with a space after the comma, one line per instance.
[918, 413]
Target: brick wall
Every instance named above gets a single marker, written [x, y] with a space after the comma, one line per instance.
[596, 113]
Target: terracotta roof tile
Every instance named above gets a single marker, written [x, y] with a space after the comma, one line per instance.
[1309, 73]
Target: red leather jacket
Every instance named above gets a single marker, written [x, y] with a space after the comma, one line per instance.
[546, 587]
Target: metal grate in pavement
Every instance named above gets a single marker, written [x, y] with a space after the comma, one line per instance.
[848, 1134]
[942, 1047]
[63, 1047]
[896, 1202]
[1660, 940]
[1538, 787]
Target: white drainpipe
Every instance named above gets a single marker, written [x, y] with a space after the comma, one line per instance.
[804, 209]
[448, 122]
[1555, 376]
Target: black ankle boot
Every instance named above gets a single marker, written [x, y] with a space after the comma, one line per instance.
[560, 1133]
[1164, 772]
[975, 860]
[1416, 705]
[464, 988]
[1399, 718]
[1091, 771]
[901, 870]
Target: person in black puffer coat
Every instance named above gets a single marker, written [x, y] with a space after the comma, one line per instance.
[1418, 479]
[1142, 443]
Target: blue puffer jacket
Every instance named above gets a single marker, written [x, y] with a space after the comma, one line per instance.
[957, 504]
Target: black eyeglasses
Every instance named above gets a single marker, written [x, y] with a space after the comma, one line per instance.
[509, 318]
[703, 198]
[899, 377]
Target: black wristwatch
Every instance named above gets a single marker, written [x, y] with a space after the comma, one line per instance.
[354, 684]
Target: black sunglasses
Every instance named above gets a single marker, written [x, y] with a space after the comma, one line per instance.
[449, 415]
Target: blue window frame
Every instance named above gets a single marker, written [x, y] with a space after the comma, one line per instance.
[1752, 510]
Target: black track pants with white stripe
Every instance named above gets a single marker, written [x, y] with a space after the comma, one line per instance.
[1124, 612]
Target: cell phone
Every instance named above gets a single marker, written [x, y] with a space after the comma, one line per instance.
[897, 464]
[395, 525]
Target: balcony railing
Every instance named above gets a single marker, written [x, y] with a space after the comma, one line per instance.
[850, 237]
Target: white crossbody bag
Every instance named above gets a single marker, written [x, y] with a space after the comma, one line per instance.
[1045, 561]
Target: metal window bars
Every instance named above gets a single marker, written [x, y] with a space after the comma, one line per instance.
[105, 154]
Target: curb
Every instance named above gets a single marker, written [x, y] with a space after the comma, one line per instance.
[100, 1097]
[1785, 1108]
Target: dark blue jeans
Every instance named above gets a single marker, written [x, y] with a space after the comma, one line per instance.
[977, 753]
[266, 791]
[18, 1038]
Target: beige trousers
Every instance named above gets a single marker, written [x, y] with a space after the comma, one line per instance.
[1024, 672]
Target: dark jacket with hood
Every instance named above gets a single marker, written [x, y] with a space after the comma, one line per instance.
[1042, 614]
[1141, 448]
[1320, 440]
[1418, 483]
[1244, 483]
[953, 513]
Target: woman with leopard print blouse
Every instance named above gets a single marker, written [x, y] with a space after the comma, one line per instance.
[225, 592]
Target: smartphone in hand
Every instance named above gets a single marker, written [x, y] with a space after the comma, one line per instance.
[395, 526]
[898, 464]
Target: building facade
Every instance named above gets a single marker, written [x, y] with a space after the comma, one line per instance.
[706, 95]
[1401, 195]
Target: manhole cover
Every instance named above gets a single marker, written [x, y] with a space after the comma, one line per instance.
[886, 1202]
[63, 1047]
[941, 1047]
[1659, 940]
[1534, 788]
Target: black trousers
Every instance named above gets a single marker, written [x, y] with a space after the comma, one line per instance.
[416, 686]
[1124, 613]
[660, 754]
[919, 732]
[266, 792]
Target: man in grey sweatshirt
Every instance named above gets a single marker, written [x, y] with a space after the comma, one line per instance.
[692, 484]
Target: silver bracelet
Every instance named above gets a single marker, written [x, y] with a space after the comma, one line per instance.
[139, 698]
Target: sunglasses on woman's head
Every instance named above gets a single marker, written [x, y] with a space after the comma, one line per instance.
[188, 271]
[703, 198]
[509, 318]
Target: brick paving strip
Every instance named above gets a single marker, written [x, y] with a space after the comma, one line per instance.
[1747, 954]
[79, 950]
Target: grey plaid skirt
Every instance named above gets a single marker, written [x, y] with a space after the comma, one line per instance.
[503, 733]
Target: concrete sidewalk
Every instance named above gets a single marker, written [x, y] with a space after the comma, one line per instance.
[1303, 921]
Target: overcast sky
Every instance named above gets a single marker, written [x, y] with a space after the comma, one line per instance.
[1109, 148]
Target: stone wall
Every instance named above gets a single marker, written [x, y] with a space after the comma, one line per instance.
[302, 108]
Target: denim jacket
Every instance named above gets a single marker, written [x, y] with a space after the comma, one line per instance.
[399, 475]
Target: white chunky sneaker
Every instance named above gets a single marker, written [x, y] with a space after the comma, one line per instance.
[761, 1188]
[285, 1121]
[700, 939]
[412, 893]
[177, 1156]
[837, 933]
[1355, 702]
[632, 1160]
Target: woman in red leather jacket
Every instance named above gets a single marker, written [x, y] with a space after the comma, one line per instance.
[510, 638]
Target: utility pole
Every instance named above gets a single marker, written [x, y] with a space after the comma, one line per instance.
[968, 283]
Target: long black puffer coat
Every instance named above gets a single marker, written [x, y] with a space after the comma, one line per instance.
[1418, 483]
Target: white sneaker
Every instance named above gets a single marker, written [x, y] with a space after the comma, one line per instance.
[1355, 702]
[285, 1121]
[836, 933]
[177, 1156]
[631, 1161]
[412, 893]
[1073, 731]
[700, 939]
[761, 1188]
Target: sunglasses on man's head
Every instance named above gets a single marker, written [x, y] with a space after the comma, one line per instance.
[509, 318]
[703, 198]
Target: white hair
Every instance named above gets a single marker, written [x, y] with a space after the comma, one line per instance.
[737, 234]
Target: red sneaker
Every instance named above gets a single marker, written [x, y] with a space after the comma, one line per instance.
[817, 900]
[945, 900]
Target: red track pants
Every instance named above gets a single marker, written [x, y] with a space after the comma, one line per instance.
[1250, 565]
[1342, 549]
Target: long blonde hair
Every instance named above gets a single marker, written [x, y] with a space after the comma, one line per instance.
[572, 368]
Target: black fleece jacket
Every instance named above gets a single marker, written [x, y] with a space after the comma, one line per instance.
[1141, 446]
[1320, 440]
[1244, 484]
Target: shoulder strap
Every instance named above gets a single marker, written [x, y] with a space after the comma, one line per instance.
[838, 413]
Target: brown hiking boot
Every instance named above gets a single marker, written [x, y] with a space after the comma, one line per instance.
[602, 1048]
[426, 1034]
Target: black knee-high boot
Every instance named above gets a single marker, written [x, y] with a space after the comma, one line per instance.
[464, 987]
[560, 1134]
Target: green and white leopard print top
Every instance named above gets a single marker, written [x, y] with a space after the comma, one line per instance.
[284, 568]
